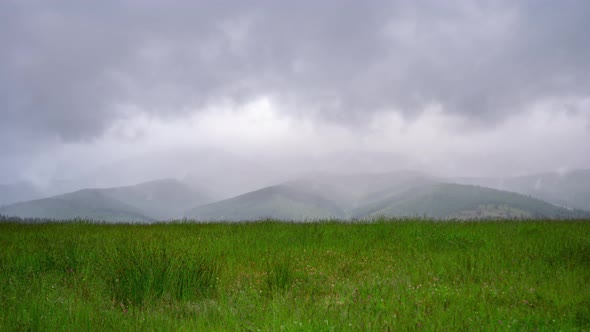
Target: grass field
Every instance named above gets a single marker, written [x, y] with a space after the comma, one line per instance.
[386, 275]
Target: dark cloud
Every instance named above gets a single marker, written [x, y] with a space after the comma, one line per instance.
[69, 70]
[67, 66]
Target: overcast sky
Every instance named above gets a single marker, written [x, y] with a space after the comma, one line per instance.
[449, 87]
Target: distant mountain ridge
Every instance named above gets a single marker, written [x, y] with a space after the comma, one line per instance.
[90, 204]
[455, 201]
[161, 199]
[568, 189]
[276, 202]
[321, 196]
[350, 191]
[155, 200]
[395, 194]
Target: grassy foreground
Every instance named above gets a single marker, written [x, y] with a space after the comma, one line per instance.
[410, 275]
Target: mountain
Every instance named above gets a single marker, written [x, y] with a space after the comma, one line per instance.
[353, 190]
[224, 174]
[321, 196]
[17, 192]
[154, 200]
[397, 194]
[569, 189]
[160, 199]
[448, 200]
[281, 202]
[85, 204]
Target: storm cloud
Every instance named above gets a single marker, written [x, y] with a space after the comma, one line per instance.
[78, 76]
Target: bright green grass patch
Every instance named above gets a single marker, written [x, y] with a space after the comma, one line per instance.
[138, 273]
[330, 276]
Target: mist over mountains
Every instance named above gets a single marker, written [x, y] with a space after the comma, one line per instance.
[567, 189]
[155, 200]
[396, 194]
[18, 192]
[318, 196]
[242, 102]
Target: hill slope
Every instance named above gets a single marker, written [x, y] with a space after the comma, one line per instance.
[277, 202]
[392, 194]
[571, 189]
[352, 191]
[317, 196]
[86, 204]
[160, 199]
[154, 200]
[446, 200]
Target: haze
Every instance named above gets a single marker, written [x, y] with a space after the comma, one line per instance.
[242, 94]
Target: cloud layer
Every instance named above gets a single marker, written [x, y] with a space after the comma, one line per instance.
[79, 74]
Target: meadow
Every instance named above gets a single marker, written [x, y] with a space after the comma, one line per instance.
[385, 275]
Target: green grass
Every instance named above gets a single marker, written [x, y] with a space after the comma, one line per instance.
[385, 275]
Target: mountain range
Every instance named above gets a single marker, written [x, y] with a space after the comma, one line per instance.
[149, 201]
[323, 196]
[567, 189]
[397, 194]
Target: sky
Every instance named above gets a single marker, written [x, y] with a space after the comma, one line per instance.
[273, 89]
